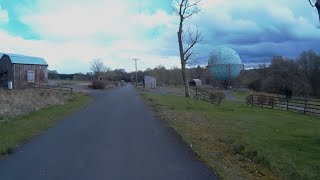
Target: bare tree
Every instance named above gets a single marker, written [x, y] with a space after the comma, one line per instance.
[97, 67]
[316, 3]
[185, 9]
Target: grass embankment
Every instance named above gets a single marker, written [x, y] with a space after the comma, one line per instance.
[20, 129]
[20, 102]
[245, 142]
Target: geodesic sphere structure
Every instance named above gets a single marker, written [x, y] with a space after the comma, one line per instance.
[224, 64]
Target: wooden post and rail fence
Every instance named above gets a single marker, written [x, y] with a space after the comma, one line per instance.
[307, 106]
[204, 95]
[57, 87]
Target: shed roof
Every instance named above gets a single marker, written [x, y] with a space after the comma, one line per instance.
[22, 59]
[149, 77]
[196, 80]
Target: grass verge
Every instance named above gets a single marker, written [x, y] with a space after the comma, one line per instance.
[17, 130]
[244, 142]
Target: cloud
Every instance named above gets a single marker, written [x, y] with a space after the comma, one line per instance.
[114, 19]
[4, 17]
[112, 30]
[259, 30]
[73, 33]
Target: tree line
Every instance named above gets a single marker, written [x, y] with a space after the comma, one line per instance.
[299, 77]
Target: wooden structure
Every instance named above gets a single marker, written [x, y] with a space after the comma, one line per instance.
[307, 106]
[204, 95]
[22, 70]
[195, 82]
[149, 82]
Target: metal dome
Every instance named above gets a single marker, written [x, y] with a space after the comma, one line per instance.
[224, 55]
[224, 64]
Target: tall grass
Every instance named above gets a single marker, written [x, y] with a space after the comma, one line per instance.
[19, 102]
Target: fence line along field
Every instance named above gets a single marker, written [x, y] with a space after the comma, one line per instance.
[306, 106]
[19, 102]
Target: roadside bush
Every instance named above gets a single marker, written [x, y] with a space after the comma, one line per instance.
[267, 99]
[217, 95]
[255, 85]
[98, 84]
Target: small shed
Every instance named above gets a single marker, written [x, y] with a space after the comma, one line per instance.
[149, 82]
[195, 82]
[22, 70]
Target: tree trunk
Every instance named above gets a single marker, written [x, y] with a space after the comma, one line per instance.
[182, 58]
[185, 81]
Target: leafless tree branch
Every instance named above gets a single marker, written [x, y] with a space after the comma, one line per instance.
[311, 3]
[317, 6]
[184, 9]
[193, 39]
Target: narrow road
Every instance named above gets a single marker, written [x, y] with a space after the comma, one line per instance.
[115, 137]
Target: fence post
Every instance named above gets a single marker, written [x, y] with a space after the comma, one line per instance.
[196, 91]
[305, 106]
[252, 100]
[287, 104]
[272, 101]
[71, 90]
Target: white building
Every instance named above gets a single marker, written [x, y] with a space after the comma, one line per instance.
[149, 82]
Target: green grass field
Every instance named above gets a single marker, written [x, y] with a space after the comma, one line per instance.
[245, 142]
[241, 93]
[21, 129]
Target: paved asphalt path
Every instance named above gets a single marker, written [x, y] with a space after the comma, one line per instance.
[115, 137]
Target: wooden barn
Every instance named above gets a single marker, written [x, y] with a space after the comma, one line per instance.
[22, 70]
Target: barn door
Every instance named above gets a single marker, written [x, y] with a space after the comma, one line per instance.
[3, 79]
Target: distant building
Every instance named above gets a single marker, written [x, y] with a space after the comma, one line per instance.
[195, 82]
[149, 82]
[22, 70]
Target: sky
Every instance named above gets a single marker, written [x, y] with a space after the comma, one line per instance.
[69, 34]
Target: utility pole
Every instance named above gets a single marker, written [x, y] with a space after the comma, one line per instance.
[135, 60]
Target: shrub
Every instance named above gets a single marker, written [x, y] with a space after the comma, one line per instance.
[255, 85]
[98, 84]
[217, 95]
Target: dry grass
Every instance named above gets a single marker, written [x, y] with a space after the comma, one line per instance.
[19, 102]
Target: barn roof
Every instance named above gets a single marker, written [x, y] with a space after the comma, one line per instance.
[21, 59]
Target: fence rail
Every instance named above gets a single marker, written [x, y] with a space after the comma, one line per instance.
[307, 106]
[57, 87]
[204, 95]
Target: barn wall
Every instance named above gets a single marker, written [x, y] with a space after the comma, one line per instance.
[20, 75]
[6, 71]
